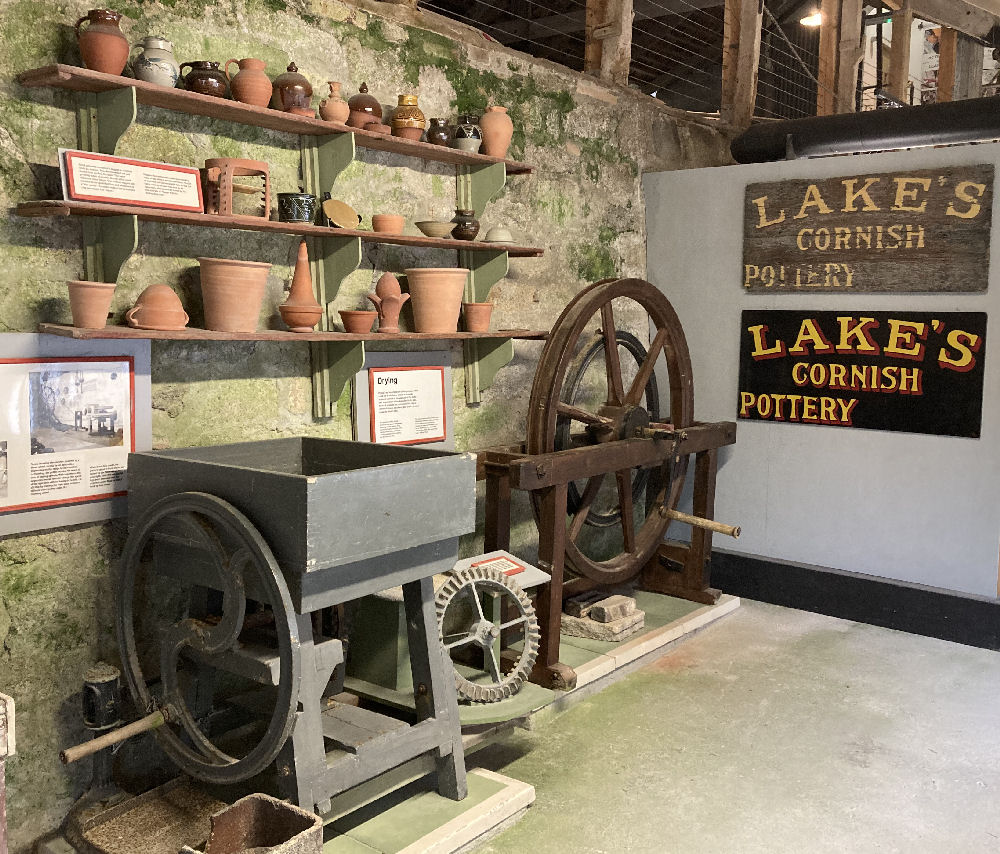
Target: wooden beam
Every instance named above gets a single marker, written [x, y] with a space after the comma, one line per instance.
[829, 54]
[968, 68]
[899, 57]
[592, 48]
[960, 15]
[849, 54]
[947, 49]
[607, 50]
[743, 19]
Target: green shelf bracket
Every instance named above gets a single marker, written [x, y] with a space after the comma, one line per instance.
[334, 365]
[332, 259]
[103, 117]
[108, 242]
[323, 159]
[476, 185]
[483, 358]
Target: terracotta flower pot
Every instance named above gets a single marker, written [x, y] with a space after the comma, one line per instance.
[358, 321]
[497, 131]
[388, 223]
[477, 316]
[90, 303]
[437, 297]
[232, 292]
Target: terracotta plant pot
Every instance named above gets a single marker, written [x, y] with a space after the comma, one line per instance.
[437, 297]
[301, 311]
[497, 131]
[249, 85]
[232, 292]
[477, 316]
[388, 223]
[157, 307]
[358, 321]
[90, 303]
[103, 46]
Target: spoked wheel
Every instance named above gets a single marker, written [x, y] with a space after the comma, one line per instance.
[467, 627]
[620, 409]
[207, 635]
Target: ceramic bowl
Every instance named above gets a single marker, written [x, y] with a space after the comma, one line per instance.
[388, 223]
[358, 321]
[435, 228]
[499, 234]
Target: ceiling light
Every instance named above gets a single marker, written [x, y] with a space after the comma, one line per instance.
[814, 19]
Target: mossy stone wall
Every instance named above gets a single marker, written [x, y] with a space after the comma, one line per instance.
[589, 143]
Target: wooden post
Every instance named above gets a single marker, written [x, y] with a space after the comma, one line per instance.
[899, 58]
[968, 69]
[947, 50]
[829, 55]
[850, 54]
[740, 58]
[592, 47]
[607, 49]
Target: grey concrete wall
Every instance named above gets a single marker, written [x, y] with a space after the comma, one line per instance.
[904, 506]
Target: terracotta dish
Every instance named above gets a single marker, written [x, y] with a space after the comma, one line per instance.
[341, 214]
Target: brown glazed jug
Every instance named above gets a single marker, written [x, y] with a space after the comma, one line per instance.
[249, 85]
[205, 78]
[103, 46]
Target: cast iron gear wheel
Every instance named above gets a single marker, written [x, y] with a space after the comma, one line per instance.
[462, 622]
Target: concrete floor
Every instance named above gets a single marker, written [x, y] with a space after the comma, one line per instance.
[773, 730]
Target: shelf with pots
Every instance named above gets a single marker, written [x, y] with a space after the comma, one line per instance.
[107, 107]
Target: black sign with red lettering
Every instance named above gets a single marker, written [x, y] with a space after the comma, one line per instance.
[913, 372]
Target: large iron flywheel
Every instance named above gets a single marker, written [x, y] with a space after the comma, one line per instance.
[619, 400]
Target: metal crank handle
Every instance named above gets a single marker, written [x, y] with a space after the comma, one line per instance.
[709, 524]
[150, 722]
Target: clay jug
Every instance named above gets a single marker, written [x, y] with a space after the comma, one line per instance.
[497, 130]
[103, 47]
[437, 297]
[205, 78]
[301, 311]
[334, 108]
[388, 300]
[155, 62]
[232, 292]
[250, 84]
[90, 302]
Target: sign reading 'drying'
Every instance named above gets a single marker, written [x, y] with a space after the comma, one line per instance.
[905, 232]
[914, 372]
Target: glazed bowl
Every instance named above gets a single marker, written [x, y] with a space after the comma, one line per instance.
[435, 227]
[388, 223]
[340, 214]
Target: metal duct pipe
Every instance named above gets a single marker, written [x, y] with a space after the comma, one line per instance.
[948, 123]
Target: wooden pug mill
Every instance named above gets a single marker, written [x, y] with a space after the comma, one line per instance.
[235, 557]
[604, 467]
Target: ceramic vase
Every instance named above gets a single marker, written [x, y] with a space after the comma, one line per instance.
[103, 46]
[334, 108]
[466, 225]
[155, 62]
[388, 300]
[249, 85]
[157, 307]
[437, 297]
[301, 311]
[358, 322]
[497, 131]
[292, 93]
[90, 303]
[232, 292]
[438, 133]
[205, 78]
[408, 120]
[468, 134]
[477, 316]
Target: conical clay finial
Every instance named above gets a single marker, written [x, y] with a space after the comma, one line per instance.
[301, 311]
[388, 299]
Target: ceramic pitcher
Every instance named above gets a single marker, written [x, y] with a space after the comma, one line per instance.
[155, 62]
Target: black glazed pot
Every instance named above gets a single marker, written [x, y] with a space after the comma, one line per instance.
[296, 207]
[438, 132]
[466, 225]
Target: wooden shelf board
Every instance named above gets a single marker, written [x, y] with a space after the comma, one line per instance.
[277, 335]
[57, 207]
[84, 80]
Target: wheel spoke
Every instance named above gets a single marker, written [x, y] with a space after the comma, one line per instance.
[616, 391]
[578, 414]
[638, 386]
[460, 642]
[512, 623]
[586, 502]
[493, 664]
[475, 598]
[624, 479]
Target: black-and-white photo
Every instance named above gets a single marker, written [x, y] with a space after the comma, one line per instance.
[74, 410]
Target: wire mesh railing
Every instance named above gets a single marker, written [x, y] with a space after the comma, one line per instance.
[787, 78]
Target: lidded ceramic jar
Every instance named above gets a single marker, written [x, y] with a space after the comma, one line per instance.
[468, 134]
[292, 92]
[364, 108]
[249, 85]
[205, 78]
[155, 62]
[103, 46]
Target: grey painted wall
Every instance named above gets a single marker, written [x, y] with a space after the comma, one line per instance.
[904, 506]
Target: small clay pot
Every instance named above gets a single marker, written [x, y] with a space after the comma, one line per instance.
[466, 225]
[157, 307]
[232, 292]
[103, 46]
[250, 85]
[358, 321]
[388, 223]
[296, 207]
[468, 134]
[292, 93]
[408, 114]
[438, 133]
[205, 78]
[436, 293]
[477, 316]
[90, 303]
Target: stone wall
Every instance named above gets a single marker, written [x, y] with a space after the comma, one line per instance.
[583, 205]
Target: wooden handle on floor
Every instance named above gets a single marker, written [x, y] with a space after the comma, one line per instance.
[708, 524]
[72, 754]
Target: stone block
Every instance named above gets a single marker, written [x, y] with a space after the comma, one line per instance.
[625, 627]
[612, 608]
